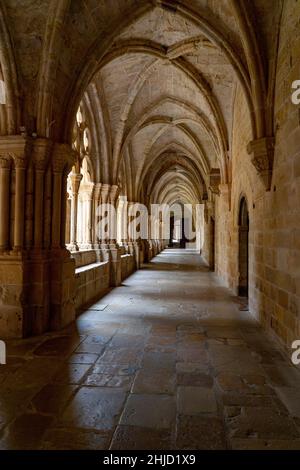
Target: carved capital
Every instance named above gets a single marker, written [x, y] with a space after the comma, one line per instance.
[41, 152]
[97, 191]
[262, 156]
[122, 201]
[16, 148]
[20, 162]
[105, 188]
[5, 161]
[87, 192]
[75, 179]
[113, 194]
[63, 156]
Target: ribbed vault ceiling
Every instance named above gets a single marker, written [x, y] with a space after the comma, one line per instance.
[154, 77]
[167, 92]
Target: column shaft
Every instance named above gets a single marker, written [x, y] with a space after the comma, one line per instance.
[56, 212]
[19, 208]
[38, 208]
[4, 204]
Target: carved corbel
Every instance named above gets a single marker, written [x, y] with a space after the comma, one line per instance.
[214, 180]
[262, 156]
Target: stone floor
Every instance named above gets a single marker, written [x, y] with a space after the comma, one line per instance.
[165, 361]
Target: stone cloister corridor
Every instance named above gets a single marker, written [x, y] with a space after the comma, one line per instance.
[149, 224]
[165, 361]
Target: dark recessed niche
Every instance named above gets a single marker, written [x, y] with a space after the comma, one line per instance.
[274, 189]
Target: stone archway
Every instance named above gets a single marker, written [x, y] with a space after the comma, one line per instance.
[243, 285]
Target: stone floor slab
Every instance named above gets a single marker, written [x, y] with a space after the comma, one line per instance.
[200, 433]
[149, 370]
[94, 408]
[149, 411]
[74, 439]
[262, 423]
[195, 400]
[154, 382]
[139, 438]
[52, 398]
[25, 433]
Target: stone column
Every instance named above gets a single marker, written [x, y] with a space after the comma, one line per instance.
[96, 203]
[20, 166]
[208, 248]
[114, 251]
[133, 243]
[63, 286]
[122, 222]
[154, 234]
[86, 194]
[56, 207]
[149, 244]
[130, 204]
[14, 278]
[38, 262]
[104, 240]
[75, 183]
[64, 209]
[5, 165]
[38, 207]
[29, 210]
[89, 222]
[112, 199]
[41, 151]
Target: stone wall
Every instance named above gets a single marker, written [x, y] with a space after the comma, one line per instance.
[274, 247]
[127, 265]
[93, 273]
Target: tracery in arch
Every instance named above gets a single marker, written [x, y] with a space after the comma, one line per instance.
[80, 188]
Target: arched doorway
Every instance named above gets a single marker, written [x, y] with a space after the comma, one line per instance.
[243, 286]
